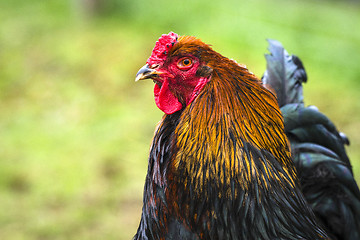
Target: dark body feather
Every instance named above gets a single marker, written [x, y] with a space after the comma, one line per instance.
[221, 167]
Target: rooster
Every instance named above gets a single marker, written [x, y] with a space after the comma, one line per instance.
[220, 165]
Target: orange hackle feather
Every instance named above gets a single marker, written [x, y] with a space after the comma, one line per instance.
[233, 104]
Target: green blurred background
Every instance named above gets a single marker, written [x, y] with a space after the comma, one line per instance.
[75, 129]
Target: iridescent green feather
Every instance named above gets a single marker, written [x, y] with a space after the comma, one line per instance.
[318, 148]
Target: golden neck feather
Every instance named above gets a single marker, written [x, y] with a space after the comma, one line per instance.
[232, 112]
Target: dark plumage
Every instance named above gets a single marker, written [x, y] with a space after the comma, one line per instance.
[318, 149]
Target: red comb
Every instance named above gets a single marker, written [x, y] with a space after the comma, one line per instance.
[162, 47]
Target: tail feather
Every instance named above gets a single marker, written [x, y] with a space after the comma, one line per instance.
[284, 74]
[308, 123]
[318, 149]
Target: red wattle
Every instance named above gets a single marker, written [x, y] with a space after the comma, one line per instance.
[165, 100]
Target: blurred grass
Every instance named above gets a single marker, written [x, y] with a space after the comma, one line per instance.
[75, 129]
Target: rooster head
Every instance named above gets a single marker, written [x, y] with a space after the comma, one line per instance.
[178, 69]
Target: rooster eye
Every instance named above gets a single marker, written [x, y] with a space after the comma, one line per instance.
[185, 63]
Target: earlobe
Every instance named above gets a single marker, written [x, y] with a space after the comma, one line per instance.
[200, 85]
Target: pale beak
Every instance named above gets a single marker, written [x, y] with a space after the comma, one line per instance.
[146, 73]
